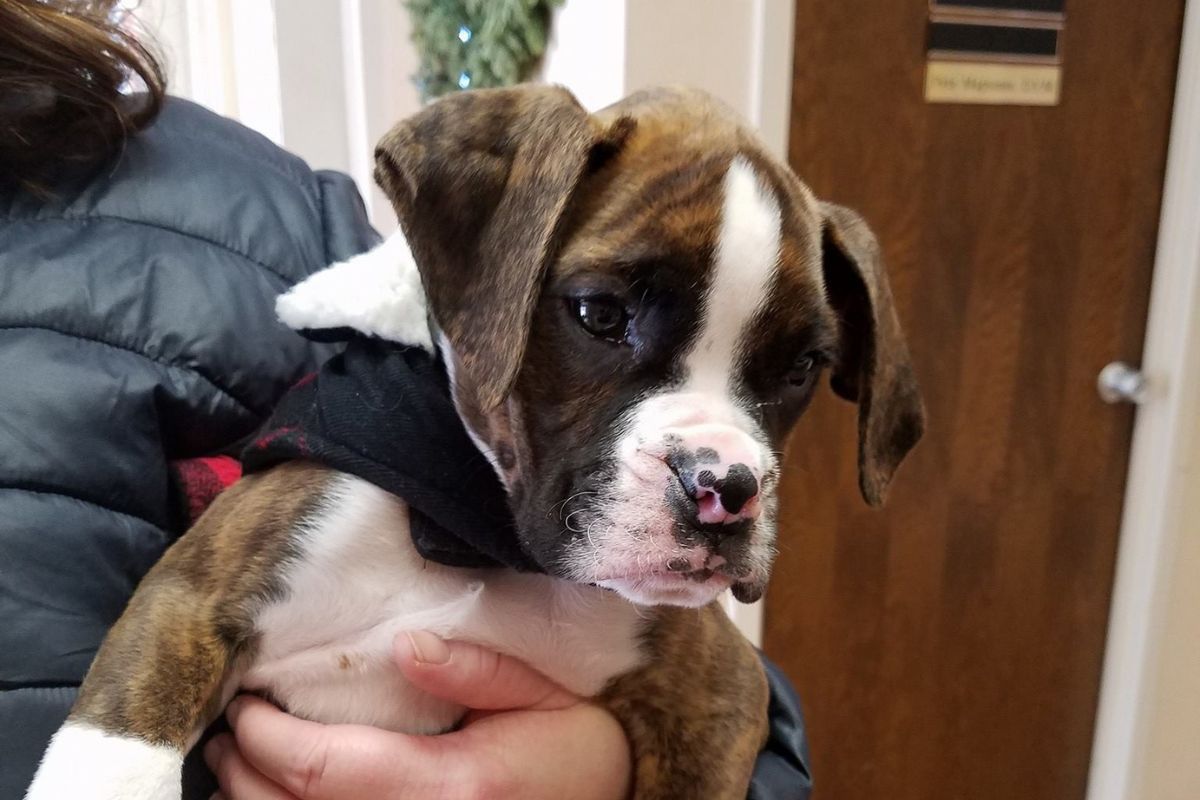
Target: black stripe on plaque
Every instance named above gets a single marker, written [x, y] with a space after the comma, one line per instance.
[1036, 6]
[1006, 39]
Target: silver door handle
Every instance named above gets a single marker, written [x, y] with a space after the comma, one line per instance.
[1120, 383]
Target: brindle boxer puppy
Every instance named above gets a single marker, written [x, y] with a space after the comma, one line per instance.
[634, 307]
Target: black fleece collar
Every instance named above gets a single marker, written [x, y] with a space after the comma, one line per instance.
[383, 412]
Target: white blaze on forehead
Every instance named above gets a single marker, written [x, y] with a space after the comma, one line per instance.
[744, 269]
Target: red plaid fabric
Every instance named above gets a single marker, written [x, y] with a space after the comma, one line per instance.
[200, 480]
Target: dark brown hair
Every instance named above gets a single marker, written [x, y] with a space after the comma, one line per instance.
[66, 67]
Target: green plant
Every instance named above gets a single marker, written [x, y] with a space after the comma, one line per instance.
[470, 44]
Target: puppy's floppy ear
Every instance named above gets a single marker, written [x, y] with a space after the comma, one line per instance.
[481, 181]
[874, 367]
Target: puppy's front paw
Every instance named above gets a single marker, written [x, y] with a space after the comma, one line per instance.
[87, 763]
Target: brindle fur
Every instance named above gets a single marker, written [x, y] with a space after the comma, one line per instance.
[696, 714]
[163, 667]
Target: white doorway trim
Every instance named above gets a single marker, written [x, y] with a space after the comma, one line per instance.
[1159, 473]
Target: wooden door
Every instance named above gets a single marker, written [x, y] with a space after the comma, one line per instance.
[950, 645]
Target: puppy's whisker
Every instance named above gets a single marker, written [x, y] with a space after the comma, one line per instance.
[567, 520]
[562, 505]
[556, 510]
[578, 495]
[591, 541]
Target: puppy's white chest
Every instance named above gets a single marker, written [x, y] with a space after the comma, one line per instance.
[325, 650]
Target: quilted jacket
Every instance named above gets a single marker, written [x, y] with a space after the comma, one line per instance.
[137, 329]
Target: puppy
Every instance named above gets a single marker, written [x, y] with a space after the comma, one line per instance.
[630, 310]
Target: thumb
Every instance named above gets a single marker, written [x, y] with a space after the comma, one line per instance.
[473, 676]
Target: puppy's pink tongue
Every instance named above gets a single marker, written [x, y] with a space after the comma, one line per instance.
[710, 509]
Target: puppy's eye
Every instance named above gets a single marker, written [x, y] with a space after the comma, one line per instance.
[603, 316]
[803, 370]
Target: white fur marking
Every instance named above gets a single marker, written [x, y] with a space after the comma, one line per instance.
[378, 293]
[746, 262]
[85, 763]
[326, 649]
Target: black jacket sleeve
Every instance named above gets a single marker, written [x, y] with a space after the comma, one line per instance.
[782, 772]
[137, 327]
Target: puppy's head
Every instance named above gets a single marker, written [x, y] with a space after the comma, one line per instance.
[635, 307]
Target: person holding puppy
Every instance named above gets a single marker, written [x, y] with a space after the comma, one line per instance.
[143, 246]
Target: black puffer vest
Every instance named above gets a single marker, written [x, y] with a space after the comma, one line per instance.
[137, 327]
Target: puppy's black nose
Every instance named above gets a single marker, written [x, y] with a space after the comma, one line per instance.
[738, 487]
[719, 498]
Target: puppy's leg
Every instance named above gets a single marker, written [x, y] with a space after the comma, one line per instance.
[154, 686]
[172, 661]
[696, 714]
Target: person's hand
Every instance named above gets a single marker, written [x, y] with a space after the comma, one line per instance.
[526, 737]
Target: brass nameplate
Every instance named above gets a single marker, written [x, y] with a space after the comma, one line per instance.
[992, 84]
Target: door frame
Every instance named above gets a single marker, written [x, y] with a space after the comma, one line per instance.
[1159, 477]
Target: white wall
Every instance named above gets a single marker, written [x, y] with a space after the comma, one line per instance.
[739, 50]
[586, 51]
[323, 78]
[1169, 752]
